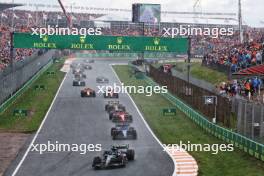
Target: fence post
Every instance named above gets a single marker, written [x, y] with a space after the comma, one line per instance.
[253, 122]
[245, 120]
[262, 122]
[239, 117]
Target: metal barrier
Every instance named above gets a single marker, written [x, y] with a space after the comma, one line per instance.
[247, 145]
[12, 81]
[21, 90]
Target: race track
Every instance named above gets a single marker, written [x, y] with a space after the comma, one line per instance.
[73, 119]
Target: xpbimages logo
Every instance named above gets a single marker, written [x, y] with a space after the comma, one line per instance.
[65, 31]
[147, 90]
[188, 30]
[55, 147]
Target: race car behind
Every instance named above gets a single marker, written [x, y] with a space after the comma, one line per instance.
[123, 131]
[114, 105]
[77, 70]
[118, 156]
[102, 79]
[89, 61]
[88, 92]
[78, 82]
[79, 75]
[87, 67]
[120, 116]
[110, 94]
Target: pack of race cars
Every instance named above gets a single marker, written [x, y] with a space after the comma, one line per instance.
[118, 155]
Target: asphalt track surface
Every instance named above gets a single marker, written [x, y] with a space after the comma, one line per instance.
[76, 120]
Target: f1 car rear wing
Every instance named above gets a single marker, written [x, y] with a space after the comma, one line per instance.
[113, 102]
[123, 146]
[123, 124]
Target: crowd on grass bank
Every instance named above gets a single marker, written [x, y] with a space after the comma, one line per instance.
[249, 88]
[23, 21]
[235, 55]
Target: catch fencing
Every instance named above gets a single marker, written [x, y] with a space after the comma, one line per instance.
[194, 95]
[11, 80]
[250, 118]
[249, 146]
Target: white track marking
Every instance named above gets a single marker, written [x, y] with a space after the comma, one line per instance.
[41, 125]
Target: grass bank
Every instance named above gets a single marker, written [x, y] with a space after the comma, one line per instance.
[36, 102]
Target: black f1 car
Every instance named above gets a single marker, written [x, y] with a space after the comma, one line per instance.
[89, 61]
[123, 131]
[113, 106]
[78, 82]
[79, 75]
[102, 79]
[88, 92]
[77, 70]
[118, 156]
[120, 116]
[110, 94]
[87, 67]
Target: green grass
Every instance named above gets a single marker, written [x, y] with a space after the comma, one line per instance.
[171, 130]
[36, 101]
[203, 73]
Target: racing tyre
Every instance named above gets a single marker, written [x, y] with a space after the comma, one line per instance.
[130, 119]
[96, 161]
[113, 131]
[106, 107]
[134, 133]
[110, 116]
[130, 154]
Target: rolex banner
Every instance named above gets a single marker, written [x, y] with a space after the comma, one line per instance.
[100, 42]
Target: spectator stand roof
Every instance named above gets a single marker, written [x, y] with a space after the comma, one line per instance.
[250, 72]
[177, 18]
[4, 6]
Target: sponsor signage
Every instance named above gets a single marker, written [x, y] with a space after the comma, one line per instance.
[100, 42]
[20, 112]
[169, 112]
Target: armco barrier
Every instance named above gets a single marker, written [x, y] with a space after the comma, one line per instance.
[247, 145]
[22, 89]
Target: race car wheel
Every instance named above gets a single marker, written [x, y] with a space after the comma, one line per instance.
[106, 107]
[96, 161]
[130, 154]
[131, 129]
[110, 116]
[114, 136]
[113, 131]
[130, 118]
[134, 134]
